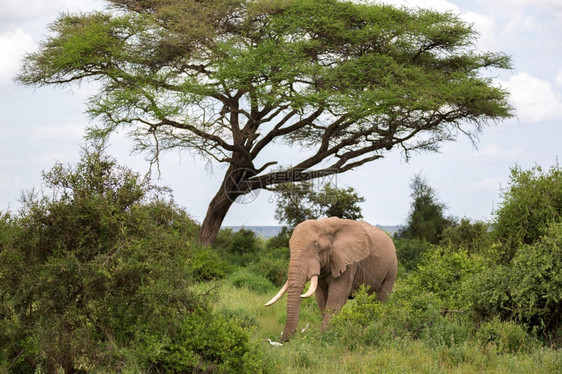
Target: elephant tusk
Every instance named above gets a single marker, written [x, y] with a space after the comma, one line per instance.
[313, 285]
[279, 294]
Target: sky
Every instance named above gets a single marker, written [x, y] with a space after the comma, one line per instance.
[41, 126]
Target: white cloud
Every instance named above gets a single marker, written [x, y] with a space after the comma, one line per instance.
[25, 10]
[440, 5]
[487, 184]
[61, 133]
[492, 151]
[486, 26]
[534, 99]
[13, 45]
[559, 77]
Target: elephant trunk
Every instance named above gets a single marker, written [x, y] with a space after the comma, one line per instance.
[299, 274]
[293, 309]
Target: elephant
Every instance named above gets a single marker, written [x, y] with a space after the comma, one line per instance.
[337, 256]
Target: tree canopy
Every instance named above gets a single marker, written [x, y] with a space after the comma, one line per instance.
[298, 202]
[226, 79]
[427, 219]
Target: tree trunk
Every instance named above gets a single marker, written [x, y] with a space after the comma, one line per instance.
[216, 212]
[231, 187]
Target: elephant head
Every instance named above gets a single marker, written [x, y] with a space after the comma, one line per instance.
[327, 252]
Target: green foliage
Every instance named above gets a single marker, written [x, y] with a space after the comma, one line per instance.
[228, 79]
[428, 304]
[247, 257]
[340, 202]
[281, 240]
[244, 241]
[473, 237]
[506, 336]
[531, 203]
[411, 313]
[252, 281]
[241, 316]
[207, 265]
[298, 202]
[206, 342]
[529, 289]
[426, 220]
[273, 266]
[410, 251]
[239, 248]
[444, 271]
[98, 276]
[295, 203]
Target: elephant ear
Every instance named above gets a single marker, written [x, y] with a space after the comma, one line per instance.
[351, 243]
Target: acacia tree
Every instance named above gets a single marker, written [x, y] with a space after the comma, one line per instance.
[226, 79]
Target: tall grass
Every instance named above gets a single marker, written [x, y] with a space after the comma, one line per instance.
[315, 352]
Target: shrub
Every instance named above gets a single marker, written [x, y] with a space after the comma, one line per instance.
[244, 241]
[428, 304]
[252, 281]
[238, 248]
[298, 202]
[410, 251]
[441, 331]
[281, 240]
[272, 268]
[97, 275]
[206, 342]
[206, 265]
[444, 271]
[473, 237]
[529, 289]
[366, 320]
[507, 337]
[531, 202]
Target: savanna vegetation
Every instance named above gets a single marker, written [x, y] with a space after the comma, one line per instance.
[101, 272]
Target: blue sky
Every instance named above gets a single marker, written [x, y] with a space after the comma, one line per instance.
[41, 126]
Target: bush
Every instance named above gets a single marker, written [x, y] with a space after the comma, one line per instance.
[272, 266]
[238, 248]
[206, 265]
[529, 289]
[281, 240]
[430, 304]
[410, 251]
[532, 201]
[206, 342]
[98, 275]
[444, 271]
[366, 320]
[507, 337]
[252, 281]
[426, 220]
[473, 237]
[244, 241]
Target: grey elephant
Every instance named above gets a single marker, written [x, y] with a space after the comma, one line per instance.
[337, 256]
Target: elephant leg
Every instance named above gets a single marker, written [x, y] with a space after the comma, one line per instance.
[338, 292]
[386, 286]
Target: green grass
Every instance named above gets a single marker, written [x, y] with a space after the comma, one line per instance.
[316, 352]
